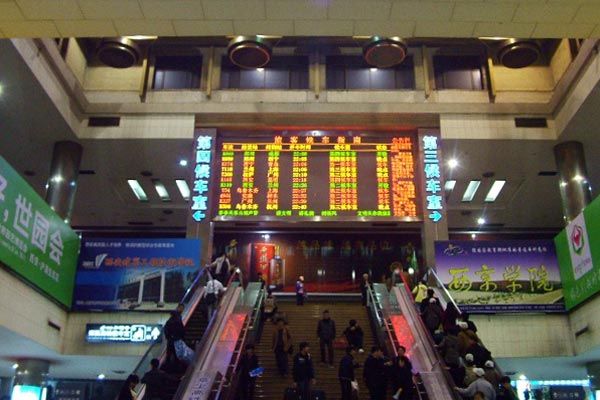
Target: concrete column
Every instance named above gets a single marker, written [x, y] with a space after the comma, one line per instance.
[574, 186]
[32, 372]
[62, 183]
[6, 385]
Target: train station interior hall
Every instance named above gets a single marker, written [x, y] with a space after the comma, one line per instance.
[288, 149]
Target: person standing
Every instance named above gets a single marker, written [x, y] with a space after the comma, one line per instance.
[420, 292]
[375, 373]
[326, 334]
[214, 288]
[346, 372]
[355, 335]
[281, 343]
[220, 268]
[480, 385]
[432, 316]
[155, 381]
[174, 331]
[300, 291]
[127, 390]
[248, 363]
[303, 371]
[364, 288]
[404, 388]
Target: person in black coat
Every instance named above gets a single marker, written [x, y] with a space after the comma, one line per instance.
[354, 334]
[248, 362]
[174, 331]
[127, 390]
[346, 372]
[326, 335]
[375, 373]
[403, 379]
[155, 381]
[303, 371]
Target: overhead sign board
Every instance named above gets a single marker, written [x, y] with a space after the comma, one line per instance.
[34, 241]
[123, 333]
[579, 255]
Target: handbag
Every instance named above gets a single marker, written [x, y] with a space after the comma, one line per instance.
[354, 385]
[183, 352]
[340, 343]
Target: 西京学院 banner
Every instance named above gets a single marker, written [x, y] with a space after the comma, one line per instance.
[501, 276]
[579, 255]
[134, 274]
[34, 241]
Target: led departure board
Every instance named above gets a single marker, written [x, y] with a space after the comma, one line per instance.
[306, 176]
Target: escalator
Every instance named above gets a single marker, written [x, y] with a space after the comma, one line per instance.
[397, 323]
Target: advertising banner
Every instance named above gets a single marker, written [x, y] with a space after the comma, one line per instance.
[134, 274]
[579, 255]
[501, 276]
[122, 333]
[262, 257]
[34, 241]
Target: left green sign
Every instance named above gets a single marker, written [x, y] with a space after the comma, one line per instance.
[34, 241]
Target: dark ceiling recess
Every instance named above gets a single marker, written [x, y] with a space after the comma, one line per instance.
[118, 52]
[531, 123]
[516, 53]
[249, 52]
[384, 52]
[146, 173]
[547, 173]
[488, 174]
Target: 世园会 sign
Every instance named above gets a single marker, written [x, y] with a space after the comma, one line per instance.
[579, 255]
[501, 276]
[123, 333]
[34, 241]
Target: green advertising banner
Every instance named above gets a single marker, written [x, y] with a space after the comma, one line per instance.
[34, 241]
[578, 251]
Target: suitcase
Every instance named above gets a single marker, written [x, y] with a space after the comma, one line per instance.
[290, 394]
[317, 394]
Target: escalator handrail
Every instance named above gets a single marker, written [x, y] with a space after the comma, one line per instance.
[438, 360]
[441, 285]
[144, 361]
[379, 314]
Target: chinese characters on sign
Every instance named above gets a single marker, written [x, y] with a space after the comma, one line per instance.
[433, 178]
[34, 241]
[124, 333]
[302, 175]
[501, 276]
[201, 177]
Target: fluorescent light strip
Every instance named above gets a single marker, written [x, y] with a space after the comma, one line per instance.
[161, 190]
[471, 190]
[494, 191]
[184, 189]
[137, 190]
[449, 186]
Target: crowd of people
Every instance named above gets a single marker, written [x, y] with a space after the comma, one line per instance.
[468, 361]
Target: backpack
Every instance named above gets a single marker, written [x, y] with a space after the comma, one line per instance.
[431, 318]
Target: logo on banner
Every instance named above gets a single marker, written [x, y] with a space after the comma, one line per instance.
[581, 258]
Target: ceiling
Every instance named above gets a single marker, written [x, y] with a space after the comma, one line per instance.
[426, 18]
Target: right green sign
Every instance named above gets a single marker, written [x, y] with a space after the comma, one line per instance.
[578, 251]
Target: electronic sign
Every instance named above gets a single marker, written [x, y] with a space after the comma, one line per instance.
[318, 177]
[123, 333]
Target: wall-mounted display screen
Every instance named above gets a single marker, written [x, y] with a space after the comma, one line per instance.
[316, 175]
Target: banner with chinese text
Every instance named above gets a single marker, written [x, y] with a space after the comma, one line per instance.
[501, 276]
[134, 274]
[34, 241]
[579, 255]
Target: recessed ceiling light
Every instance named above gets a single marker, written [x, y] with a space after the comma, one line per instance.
[101, 376]
[473, 236]
[374, 69]
[449, 186]
[494, 191]
[183, 163]
[137, 190]
[260, 69]
[184, 189]
[452, 163]
[480, 221]
[471, 190]
[15, 366]
[161, 190]
[522, 377]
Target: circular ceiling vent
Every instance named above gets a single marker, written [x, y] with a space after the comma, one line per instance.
[384, 52]
[249, 52]
[118, 52]
[516, 53]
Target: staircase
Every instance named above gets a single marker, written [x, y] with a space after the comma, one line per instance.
[303, 327]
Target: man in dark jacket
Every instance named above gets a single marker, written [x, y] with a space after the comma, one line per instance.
[432, 316]
[303, 371]
[326, 334]
[155, 381]
[346, 372]
[355, 335]
[375, 373]
[174, 331]
[247, 383]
